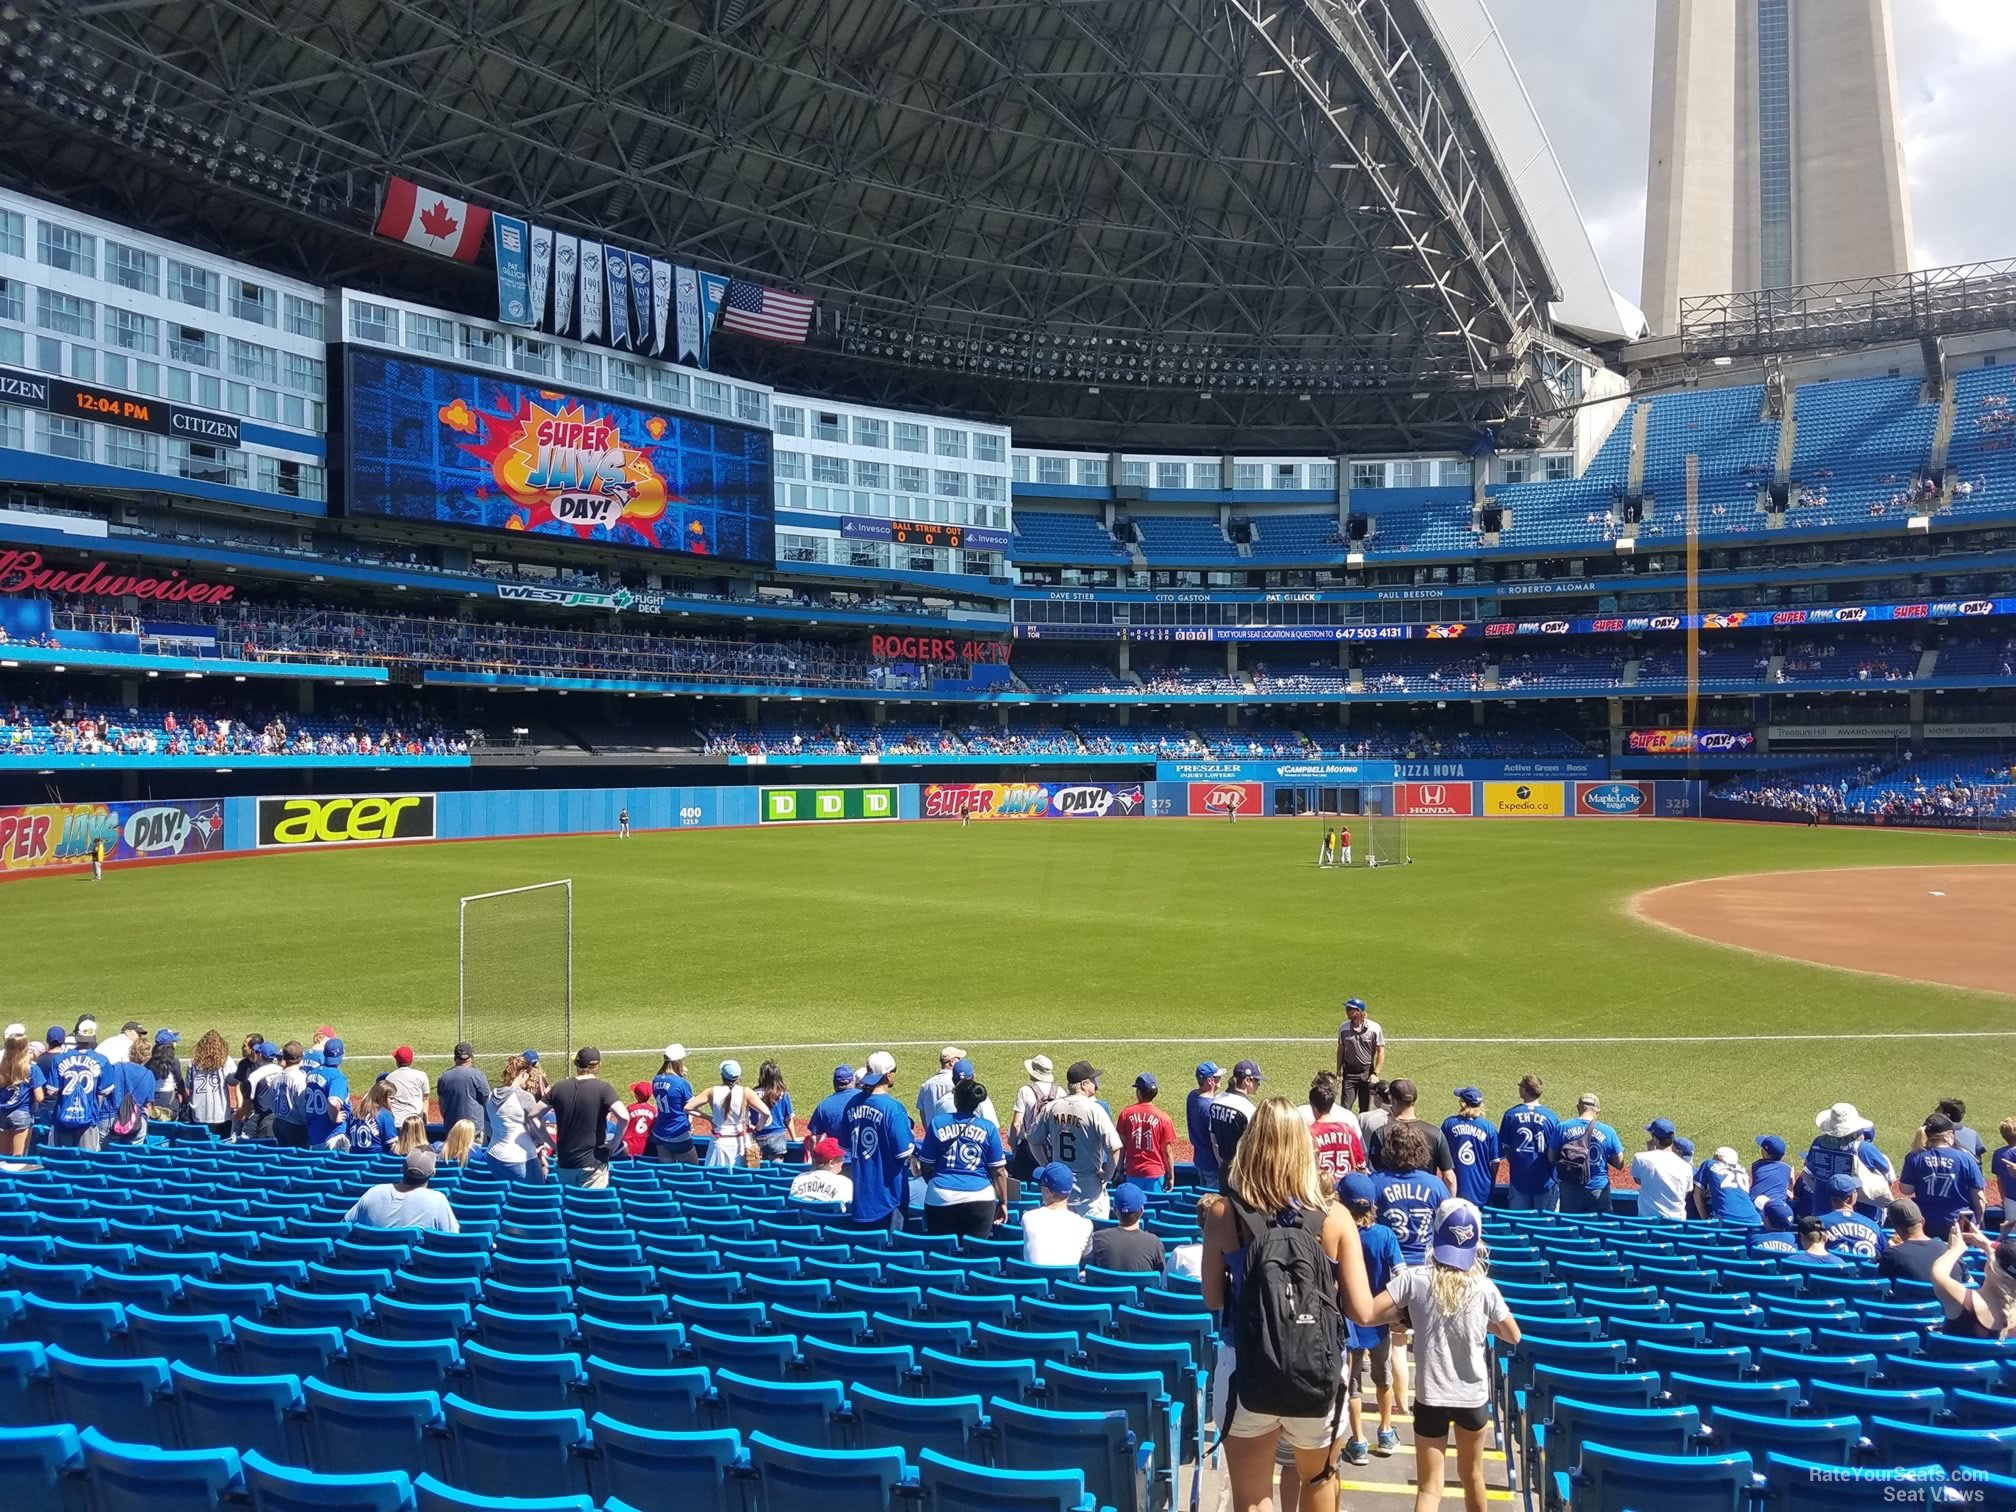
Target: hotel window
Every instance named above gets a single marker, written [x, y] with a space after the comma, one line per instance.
[66, 313]
[191, 285]
[986, 447]
[430, 333]
[304, 316]
[584, 368]
[873, 434]
[131, 268]
[251, 302]
[1092, 472]
[626, 377]
[788, 420]
[482, 345]
[949, 443]
[1053, 470]
[373, 322]
[60, 247]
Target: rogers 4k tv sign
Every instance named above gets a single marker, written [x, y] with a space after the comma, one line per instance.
[351, 819]
[836, 805]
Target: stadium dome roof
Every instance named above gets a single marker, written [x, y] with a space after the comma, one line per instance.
[1139, 222]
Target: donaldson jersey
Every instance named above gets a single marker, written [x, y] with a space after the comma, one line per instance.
[325, 1104]
[1473, 1148]
[1527, 1136]
[79, 1074]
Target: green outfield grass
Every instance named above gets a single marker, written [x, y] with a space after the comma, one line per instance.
[1144, 944]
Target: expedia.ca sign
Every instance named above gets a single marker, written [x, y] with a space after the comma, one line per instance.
[358, 819]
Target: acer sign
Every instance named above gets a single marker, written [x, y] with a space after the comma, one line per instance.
[1434, 800]
[935, 648]
[24, 572]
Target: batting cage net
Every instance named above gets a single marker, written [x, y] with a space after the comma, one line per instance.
[1385, 832]
[514, 970]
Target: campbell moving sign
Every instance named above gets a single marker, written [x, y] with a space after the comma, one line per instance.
[87, 401]
[24, 572]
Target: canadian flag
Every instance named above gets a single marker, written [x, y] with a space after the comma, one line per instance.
[432, 221]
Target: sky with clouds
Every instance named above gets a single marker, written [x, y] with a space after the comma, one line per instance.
[1588, 66]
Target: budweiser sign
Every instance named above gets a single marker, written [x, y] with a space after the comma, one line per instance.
[23, 572]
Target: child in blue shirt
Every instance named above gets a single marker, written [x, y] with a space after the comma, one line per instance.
[1371, 1349]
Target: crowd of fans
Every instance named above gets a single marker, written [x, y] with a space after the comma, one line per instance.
[1954, 788]
[68, 729]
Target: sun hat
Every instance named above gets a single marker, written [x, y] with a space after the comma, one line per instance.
[1839, 1121]
[1039, 1068]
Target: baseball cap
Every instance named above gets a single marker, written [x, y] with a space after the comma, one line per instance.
[1128, 1198]
[1209, 1069]
[962, 1070]
[1354, 1005]
[15, 1031]
[951, 1053]
[881, 1066]
[1146, 1082]
[843, 1076]
[1660, 1128]
[1777, 1214]
[1470, 1097]
[1725, 1154]
[268, 1049]
[1682, 1145]
[1772, 1146]
[1083, 1071]
[1039, 1067]
[87, 1027]
[731, 1070]
[587, 1056]
[131, 1026]
[1403, 1092]
[312, 1058]
[323, 1031]
[419, 1165]
[403, 1056]
[463, 1049]
[332, 1052]
[1843, 1185]
[1245, 1069]
[675, 1051]
[1590, 1101]
[55, 1036]
[1904, 1214]
[1938, 1123]
[1457, 1230]
[1358, 1187]
[825, 1147]
[1056, 1177]
[161, 1037]
[530, 1057]
[641, 1090]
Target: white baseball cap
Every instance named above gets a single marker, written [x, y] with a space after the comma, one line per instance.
[15, 1031]
[951, 1053]
[675, 1052]
[881, 1066]
[87, 1026]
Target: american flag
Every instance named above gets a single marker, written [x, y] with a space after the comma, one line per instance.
[769, 314]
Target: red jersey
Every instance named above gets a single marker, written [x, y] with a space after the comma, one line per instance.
[1344, 838]
[637, 1127]
[1339, 1151]
[1146, 1134]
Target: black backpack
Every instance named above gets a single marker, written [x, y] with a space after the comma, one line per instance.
[1287, 1328]
[1577, 1157]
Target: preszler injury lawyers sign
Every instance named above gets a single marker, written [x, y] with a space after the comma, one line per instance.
[839, 805]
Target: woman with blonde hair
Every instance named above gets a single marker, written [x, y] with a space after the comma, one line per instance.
[21, 1080]
[460, 1141]
[1986, 1312]
[412, 1136]
[517, 1147]
[1276, 1221]
[1455, 1309]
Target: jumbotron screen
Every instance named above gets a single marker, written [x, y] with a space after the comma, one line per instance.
[458, 447]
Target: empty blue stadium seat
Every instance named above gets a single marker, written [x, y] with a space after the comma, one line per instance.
[375, 1364]
[843, 1480]
[798, 1412]
[130, 1477]
[93, 1328]
[1621, 1480]
[521, 1383]
[1798, 1485]
[357, 1432]
[1825, 1440]
[42, 1467]
[652, 1467]
[947, 1374]
[264, 1350]
[286, 1488]
[1895, 1443]
[125, 1399]
[949, 1485]
[237, 1412]
[432, 1495]
[1097, 1444]
[892, 1368]
[883, 1420]
[511, 1453]
[663, 1400]
[24, 1385]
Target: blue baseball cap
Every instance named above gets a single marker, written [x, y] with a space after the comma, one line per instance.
[962, 1070]
[167, 1037]
[1470, 1097]
[1354, 1005]
[1682, 1145]
[312, 1058]
[1146, 1082]
[55, 1036]
[1207, 1069]
[332, 1052]
[1246, 1068]
[1457, 1231]
[1772, 1146]
[1056, 1177]
[1356, 1186]
[1844, 1185]
[1778, 1215]
[1129, 1198]
[843, 1076]
[1660, 1128]
[267, 1048]
[530, 1057]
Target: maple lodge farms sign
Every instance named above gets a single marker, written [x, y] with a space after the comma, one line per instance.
[23, 572]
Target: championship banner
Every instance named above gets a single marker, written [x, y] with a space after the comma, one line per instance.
[713, 294]
[840, 805]
[617, 263]
[661, 304]
[1226, 799]
[1613, 800]
[686, 283]
[514, 271]
[1434, 800]
[640, 301]
[63, 834]
[542, 267]
[566, 274]
[591, 291]
[1524, 800]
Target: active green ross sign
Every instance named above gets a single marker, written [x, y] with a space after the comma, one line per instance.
[812, 805]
